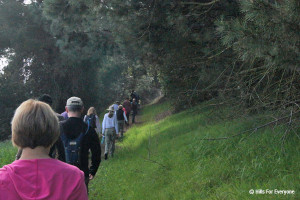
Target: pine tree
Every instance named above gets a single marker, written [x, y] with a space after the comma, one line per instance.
[266, 41]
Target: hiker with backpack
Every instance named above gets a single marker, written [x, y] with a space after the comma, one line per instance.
[36, 175]
[64, 115]
[116, 105]
[92, 119]
[110, 131]
[135, 96]
[78, 138]
[127, 106]
[121, 117]
[134, 107]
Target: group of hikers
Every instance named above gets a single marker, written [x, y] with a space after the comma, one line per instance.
[41, 135]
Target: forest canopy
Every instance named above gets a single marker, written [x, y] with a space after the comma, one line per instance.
[241, 52]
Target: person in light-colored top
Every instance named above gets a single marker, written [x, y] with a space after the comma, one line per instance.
[110, 131]
[93, 119]
[116, 105]
[35, 175]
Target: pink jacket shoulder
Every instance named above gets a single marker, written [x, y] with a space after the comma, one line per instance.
[41, 179]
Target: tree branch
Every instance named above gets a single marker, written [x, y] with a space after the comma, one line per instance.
[200, 4]
[253, 129]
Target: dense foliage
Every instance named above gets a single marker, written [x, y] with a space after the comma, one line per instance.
[244, 51]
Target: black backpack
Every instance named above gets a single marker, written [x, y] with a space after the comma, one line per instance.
[91, 120]
[73, 148]
[120, 115]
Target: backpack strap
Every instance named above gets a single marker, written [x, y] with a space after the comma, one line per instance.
[88, 127]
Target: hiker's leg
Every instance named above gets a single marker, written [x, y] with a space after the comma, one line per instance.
[110, 138]
[121, 126]
[113, 142]
[86, 180]
[127, 115]
[107, 140]
[133, 117]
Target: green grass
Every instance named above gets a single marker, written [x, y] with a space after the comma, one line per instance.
[168, 159]
[7, 153]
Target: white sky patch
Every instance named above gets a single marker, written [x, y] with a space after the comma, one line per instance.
[27, 2]
[3, 63]
[4, 59]
[25, 71]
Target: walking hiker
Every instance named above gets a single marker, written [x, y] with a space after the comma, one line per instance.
[126, 122]
[127, 106]
[121, 117]
[53, 151]
[134, 107]
[92, 119]
[116, 105]
[35, 175]
[135, 96]
[110, 131]
[65, 115]
[78, 139]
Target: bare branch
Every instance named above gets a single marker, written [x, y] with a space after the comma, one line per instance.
[200, 4]
[153, 161]
[253, 129]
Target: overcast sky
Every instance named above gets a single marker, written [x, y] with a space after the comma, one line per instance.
[3, 63]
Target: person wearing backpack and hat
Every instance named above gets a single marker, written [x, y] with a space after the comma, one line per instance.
[110, 131]
[121, 117]
[92, 119]
[134, 107]
[127, 106]
[78, 139]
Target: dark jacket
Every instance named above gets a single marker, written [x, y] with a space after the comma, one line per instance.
[72, 127]
[134, 107]
[127, 106]
[120, 115]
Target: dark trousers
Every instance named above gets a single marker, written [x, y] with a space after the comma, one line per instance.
[133, 116]
[127, 115]
[86, 180]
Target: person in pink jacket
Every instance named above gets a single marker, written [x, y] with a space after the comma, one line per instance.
[35, 175]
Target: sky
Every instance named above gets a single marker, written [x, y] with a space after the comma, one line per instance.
[27, 1]
[3, 60]
[3, 63]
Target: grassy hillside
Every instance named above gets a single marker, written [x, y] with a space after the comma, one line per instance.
[167, 160]
[7, 153]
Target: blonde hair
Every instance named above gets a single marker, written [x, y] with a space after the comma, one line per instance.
[34, 124]
[91, 110]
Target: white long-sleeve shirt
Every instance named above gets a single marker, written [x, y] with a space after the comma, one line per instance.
[110, 123]
[125, 117]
